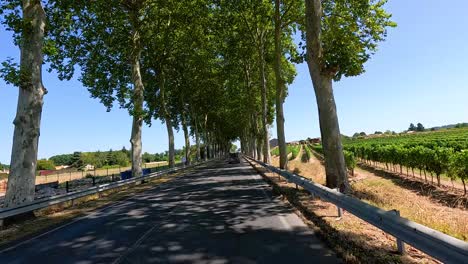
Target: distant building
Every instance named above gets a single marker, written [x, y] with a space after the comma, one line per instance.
[314, 140]
[88, 167]
[61, 167]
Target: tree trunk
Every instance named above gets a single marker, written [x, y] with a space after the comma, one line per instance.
[21, 180]
[170, 136]
[464, 185]
[187, 140]
[168, 121]
[206, 138]
[259, 149]
[197, 142]
[138, 91]
[283, 155]
[335, 166]
[265, 137]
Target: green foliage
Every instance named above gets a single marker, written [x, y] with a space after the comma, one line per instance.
[118, 158]
[419, 127]
[439, 152]
[233, 148]
[275, 151]
[45, 165]
[4, 166]
[358, 24]
[317, 148]
[294, 150]
[63, 159]
[350, 160]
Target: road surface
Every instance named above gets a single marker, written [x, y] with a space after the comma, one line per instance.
[220, 213]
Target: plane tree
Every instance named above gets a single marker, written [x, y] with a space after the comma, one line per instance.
[341, 36]
[288, 18]
[31, 22]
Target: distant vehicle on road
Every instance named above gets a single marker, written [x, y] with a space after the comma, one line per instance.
[234, 158]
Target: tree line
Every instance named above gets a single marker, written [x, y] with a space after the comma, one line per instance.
[217, 70]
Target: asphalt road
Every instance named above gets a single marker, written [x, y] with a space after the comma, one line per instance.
[221, 213]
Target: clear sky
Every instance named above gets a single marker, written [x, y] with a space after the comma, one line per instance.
[419, 74]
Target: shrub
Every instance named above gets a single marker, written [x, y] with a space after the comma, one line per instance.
[275, 151]
[350, 161]
[294, 150]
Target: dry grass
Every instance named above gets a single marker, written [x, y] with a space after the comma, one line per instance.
[383, 193]
[389, 194]
[386, 194]
[52, 216]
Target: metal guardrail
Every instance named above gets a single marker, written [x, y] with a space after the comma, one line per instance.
[432, 242]
[57, 199]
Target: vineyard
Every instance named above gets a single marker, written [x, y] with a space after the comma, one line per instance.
[434, 153]
[443, 209]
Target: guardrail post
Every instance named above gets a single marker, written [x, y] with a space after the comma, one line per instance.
[112, 177]
[400, 244]
[94, 180]
[66, 186]
[340, 212]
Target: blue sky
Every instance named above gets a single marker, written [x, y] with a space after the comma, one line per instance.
[417, 75]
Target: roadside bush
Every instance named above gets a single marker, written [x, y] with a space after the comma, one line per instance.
[45, 165]
[275, 151]
[350, 161]
[296, 171]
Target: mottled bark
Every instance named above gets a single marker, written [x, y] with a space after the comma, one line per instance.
[206, 139]
[170, 136]
[335, 167]
[197, 141]
[280, 91]
[265, 136]
[168, 121]
[138, 90]
[21, 180]
[187, 140]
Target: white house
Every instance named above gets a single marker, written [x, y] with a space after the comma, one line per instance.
[88, 167]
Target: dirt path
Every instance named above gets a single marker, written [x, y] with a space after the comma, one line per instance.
[299, 154]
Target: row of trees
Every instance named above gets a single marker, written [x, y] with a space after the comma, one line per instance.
[218, 70]
[418, 128]
[436, 161]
